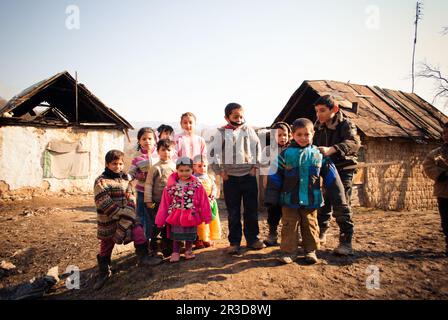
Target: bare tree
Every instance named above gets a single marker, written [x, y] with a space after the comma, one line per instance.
[440, 82]
[445, 30]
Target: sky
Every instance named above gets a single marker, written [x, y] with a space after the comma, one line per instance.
[154, 60]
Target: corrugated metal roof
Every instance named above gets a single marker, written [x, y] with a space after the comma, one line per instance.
[381, 112]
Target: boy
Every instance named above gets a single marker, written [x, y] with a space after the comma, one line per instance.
[436, 167]
[236, 157]
[296, 187]
[269, 157]
[156, 181]
[336, 138]
[117, 220]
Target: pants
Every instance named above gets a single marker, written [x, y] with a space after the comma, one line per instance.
[106, 246]
[306, 220]
[176, 246]
[443, 210]
[235, 189]
[274, 216]
[343, 215]
[144, 216]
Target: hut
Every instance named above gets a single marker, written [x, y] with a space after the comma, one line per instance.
[396, 129]
[54, 136]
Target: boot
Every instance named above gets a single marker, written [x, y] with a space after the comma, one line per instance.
[144, 259]
[323, 236]
[104, 272]
[272, 238]
[345, 245]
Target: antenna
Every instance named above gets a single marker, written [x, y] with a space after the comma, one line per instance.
[76, 97]
[418, 15]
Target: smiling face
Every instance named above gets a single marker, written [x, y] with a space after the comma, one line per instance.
[303, 136]
[116, 165]
[147, 141]
[188, 124]
[184, 172]
[325, 114]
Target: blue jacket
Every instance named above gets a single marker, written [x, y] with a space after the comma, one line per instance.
[297, 180]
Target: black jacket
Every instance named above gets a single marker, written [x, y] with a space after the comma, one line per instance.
[340, 134]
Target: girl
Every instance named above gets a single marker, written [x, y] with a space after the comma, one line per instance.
[207, 233]
[139, 170]
[189, 144]
[183, 207]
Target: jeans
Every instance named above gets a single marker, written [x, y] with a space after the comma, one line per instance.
[144, 216]
[274, 216]
[343, 216]
[236, 189]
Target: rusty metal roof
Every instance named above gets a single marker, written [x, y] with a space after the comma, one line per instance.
[380, 112]
[56, 96]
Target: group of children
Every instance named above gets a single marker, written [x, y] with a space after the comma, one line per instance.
[176, 197]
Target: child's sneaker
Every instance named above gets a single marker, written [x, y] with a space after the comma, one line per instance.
[286, 259]
[271, 240]
[257, 245]
[311, 257]
[189, 255]
[175, 257]
[233, 249]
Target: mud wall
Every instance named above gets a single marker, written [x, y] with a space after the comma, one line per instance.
[21, 157]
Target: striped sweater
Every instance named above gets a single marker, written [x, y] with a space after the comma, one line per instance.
[115, 204]
[139, 169]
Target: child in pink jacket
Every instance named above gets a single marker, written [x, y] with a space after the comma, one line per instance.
[183, 207]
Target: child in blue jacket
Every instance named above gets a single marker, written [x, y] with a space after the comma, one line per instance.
[296, 187]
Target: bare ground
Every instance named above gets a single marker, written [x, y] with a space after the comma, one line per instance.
[406, 247]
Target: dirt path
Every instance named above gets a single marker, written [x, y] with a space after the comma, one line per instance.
[406, 248]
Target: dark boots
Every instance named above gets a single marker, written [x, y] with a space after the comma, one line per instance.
[272, 238]
[104, 272]
[144, 259]
[345, 245]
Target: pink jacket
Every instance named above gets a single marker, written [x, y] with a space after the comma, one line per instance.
[185, 206]
[190, 145]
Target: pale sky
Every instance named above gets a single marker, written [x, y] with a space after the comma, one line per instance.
[154, 60]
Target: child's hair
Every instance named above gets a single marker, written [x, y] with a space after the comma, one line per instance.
[327, 101]
[230, 107]
[187, 114]
[282, 125]
[164, 143]
[184, 161]
[113, 155]
[302, 123]
[140, 134]
[199, 159]
[165, 128]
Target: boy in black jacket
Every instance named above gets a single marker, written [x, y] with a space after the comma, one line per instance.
[336, 138]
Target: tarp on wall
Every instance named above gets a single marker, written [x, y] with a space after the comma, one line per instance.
[66, 160]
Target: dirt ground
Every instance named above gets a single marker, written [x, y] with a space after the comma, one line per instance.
[405, 248]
